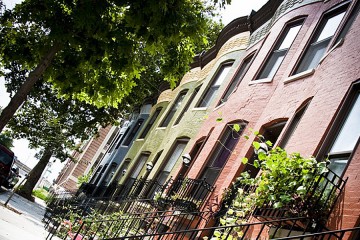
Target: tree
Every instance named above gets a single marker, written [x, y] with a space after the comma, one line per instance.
[6, 140]
[97, 51]
[55, 126]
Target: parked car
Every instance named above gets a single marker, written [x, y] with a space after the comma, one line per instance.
[7, 159]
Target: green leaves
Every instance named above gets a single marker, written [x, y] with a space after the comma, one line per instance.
[236, 127]
[256, 145]
[108, 49]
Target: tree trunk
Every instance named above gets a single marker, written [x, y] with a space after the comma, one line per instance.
[34, 176]
[20, 96]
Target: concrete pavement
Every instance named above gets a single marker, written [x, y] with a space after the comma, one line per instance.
[23, 222]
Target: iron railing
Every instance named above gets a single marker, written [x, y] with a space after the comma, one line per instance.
[139, 227]
[188, 194]
[259, 230]
[136, 224]
[320, 199]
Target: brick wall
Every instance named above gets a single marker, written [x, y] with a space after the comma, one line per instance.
[261, 103]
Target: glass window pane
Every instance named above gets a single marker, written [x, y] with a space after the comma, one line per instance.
[290, 36]
[350, 131]
[313, 56]
[215, 84]
[337, 165]
[208, 97]
[237, 78]
[140, 165]
[320, 41]
[224, 72]
[330, 27]
[175, 156]
[275, 59]
[150, 123]
[273, 64]
[173, 109]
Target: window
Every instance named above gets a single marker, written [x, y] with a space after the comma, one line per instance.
[282, 46]
[110, 173]
[172, 158]
[111, 138]
[223, 149]
[293, 125]
[321, 39]
[133, 132]
[187, 105]
[238, 77]
[346, 138]
[150, 123]
[121, 172]
[270, 133]
[174, 108]
[139, 165]
[349, 22]
[117, 136]
[215, 84]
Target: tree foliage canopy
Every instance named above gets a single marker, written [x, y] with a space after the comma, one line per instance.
[104, 48]
[58, 124]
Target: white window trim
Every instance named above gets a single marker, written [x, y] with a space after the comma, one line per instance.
[264, 80]
[299, 76]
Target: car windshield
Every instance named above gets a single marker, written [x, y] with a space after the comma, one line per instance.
[5, 158]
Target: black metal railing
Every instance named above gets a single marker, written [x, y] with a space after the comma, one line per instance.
[140, 227]
[136, 224]
[259, 230]
[320, 199]
[188, 194]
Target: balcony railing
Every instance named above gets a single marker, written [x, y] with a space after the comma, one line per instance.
[320, 199]
[172, 225]
[187, 194]
[136, 224]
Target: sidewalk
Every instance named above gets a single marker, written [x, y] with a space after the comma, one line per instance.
[23, 221]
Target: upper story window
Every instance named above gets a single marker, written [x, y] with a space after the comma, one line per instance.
[133, 132]
[187, 105]
[150, 123]
[171, 160]
[215, 84]
[321, 39]
[293, 125]
[346, 138]
[282, 46]
[174, 108]
[223, 149]
[238, 77]
[349, 22]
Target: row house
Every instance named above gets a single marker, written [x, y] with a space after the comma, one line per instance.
[91, 152]
[290, 71]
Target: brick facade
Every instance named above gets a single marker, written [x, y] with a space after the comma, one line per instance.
[262, 103]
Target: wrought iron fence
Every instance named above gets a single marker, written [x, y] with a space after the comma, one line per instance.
[319, 201]
[136, 224]
[188, 194]
[262, 230]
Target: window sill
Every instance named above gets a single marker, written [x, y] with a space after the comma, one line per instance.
[140, 140]
[160, 128]
[219, 106]
[264, 80]
[199, 108]
[300, 75]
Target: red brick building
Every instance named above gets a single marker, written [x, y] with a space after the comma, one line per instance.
[299, 86]
[92, 152]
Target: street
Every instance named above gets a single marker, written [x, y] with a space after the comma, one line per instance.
[23, 221]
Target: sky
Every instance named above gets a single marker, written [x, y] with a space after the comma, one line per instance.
[238, 8]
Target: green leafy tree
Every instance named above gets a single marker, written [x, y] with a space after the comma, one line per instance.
[98, 51]
[55, 126]
[6, 140]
